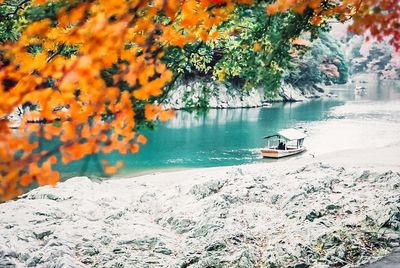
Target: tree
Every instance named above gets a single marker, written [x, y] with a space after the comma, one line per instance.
[105, 86]
[324, 62]
[252, 50]
[379, 18]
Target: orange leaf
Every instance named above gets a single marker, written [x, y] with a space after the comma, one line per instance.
[54, 178]
[141, 139]
[134, 148]
[110, 170]
[166, 115]
[25, 180]
[53, 159]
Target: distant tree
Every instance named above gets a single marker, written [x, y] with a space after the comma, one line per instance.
[377, 18]
[323, 62]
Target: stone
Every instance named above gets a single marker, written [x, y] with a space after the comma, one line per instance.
[90, 251]
[204, 230]
[365, 175]
[42, 234]
[189, 261]
[275, 198]
[246, 259]
[301, 265]
[181, 225]
[333, 207]
[313, 215]
[289, 93]
[211, 262]
[216, 246]
[33, 261]
[206, 189]
[163, 250]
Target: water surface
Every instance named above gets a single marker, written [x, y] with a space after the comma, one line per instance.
[230, 136]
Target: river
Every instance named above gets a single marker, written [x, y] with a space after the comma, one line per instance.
[222, 137]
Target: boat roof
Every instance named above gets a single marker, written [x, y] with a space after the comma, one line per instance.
[289, 134]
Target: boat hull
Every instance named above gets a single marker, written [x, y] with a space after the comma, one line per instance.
[275, 153]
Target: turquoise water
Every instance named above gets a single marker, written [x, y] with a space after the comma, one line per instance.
[224, 137]
[216, 138]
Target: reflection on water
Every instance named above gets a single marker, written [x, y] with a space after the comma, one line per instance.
[212, 117]
[375, 89]
[217, 138]
[230, 136]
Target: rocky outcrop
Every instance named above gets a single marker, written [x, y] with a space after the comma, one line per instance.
[247, 216]
[289, 93]
[216, 95]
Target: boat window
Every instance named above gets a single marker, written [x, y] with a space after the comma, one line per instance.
[292, 144]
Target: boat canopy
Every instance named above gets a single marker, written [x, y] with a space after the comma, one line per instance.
[289, 134]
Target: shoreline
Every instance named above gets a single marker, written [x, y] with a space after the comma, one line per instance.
[212, 216]
[154, 172]
[340, 157]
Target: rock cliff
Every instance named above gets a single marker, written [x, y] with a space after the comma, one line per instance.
[196, 93]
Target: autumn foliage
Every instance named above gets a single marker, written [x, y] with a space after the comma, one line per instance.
[377, 18]
[87, 114]
[95, 116]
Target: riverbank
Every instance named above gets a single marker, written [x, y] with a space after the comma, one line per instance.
[195, 93]
[217, 95]
[320, 212]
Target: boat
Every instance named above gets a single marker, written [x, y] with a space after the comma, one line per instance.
[361, 90]
[286, 142]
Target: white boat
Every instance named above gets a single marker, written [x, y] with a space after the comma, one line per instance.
[285, 143]
[361, 90]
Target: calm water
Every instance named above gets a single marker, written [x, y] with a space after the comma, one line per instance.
[226, 137]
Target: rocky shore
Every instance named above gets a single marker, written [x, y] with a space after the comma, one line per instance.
[284, 214]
